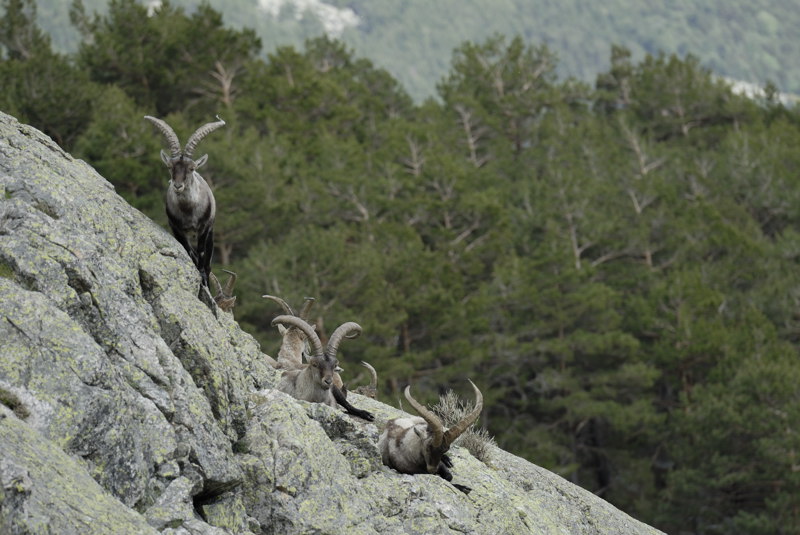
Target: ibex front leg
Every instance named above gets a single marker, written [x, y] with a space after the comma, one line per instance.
[341, 399]
[205, 248]
[174, 225]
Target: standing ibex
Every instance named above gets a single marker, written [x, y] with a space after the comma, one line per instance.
[190, 203]
[314, 381]
[414, 445]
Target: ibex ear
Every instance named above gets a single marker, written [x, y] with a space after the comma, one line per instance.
[201, 162]
[166, 158]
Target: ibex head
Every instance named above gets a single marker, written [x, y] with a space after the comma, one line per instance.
[437, 441]
[179, 162]
[323, 361]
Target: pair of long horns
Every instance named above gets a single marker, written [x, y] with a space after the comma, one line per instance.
[227, 291]
[194, 139]
[345, 330]
[308, 302]
[440, 434]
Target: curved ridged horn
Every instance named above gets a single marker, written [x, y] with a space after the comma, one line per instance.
[283, 304]
[454, 432]
[199, 134]
[230, 284]
[169, 133]
[374, 381]
[308, 302]
[308, 330]
[434, 423]
[350, 329]
[215, 281]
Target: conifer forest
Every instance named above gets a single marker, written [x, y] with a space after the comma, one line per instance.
[616, 265]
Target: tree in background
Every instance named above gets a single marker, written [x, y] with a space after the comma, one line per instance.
[167, 62]
[35, 83]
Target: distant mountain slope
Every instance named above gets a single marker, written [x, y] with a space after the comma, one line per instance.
[754, 41]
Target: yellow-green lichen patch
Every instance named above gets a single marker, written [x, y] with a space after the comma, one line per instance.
[6, 271]
[58, 494]
[226, 511]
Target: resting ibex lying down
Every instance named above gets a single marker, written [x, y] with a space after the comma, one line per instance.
[294, 345]
[315, 381]
[419, 445]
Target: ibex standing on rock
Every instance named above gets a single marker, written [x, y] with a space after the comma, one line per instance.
[190, 203]
[414, 445]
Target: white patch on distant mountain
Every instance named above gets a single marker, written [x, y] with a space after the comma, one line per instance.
[333, 19]
[756, 91]
[152, 6]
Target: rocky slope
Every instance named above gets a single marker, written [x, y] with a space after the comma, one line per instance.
[130, 405]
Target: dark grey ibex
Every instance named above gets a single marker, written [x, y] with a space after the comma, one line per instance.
[315, 381]
[414, 445]
[190, 203]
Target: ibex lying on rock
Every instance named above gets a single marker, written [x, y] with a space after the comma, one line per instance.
[414, 445]
[370, 390]
[294, 346]
[190, 203]
[224, 297]
[315, 381]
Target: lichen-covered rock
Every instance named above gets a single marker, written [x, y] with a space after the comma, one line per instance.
[129, 403]
[44, 490]
[105, 342]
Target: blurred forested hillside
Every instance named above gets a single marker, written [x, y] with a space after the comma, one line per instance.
[615, 264]
[755, 41]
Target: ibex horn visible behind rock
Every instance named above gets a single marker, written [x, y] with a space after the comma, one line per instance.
[224, 296]
[370, 390]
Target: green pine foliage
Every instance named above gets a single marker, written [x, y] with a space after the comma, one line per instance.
[615, 266]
